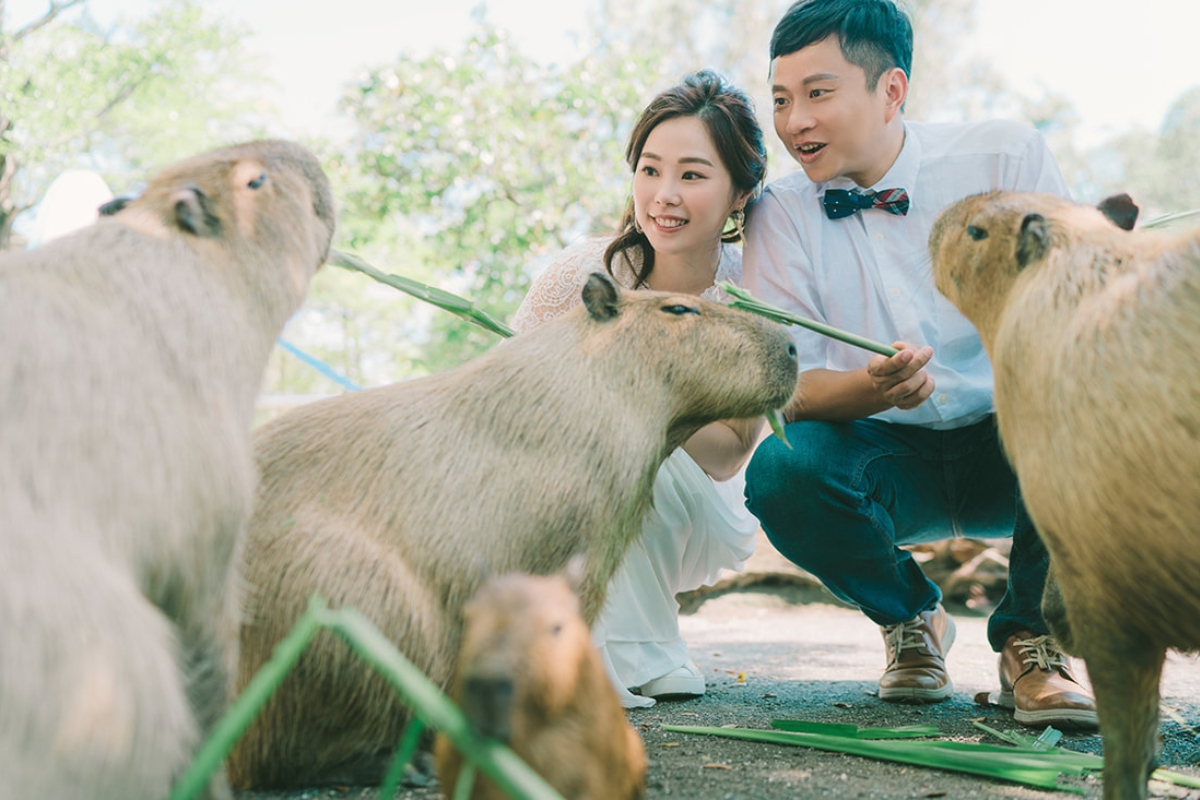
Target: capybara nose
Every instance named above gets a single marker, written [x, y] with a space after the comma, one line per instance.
[487, 702]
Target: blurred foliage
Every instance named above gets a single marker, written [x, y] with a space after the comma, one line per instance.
[121, 100]
[466, 170]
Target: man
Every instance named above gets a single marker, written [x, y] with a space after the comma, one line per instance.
[900, 450]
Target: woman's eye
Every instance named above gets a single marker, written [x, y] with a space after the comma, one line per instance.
[680, 309]
[978, 234]
[651, 171]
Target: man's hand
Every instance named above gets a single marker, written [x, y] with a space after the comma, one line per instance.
[902, 380]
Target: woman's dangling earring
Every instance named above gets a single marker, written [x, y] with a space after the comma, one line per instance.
[739, 223]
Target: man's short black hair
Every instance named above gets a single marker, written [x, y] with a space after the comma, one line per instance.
[874, 34]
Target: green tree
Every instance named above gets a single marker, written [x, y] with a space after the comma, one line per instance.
[120, 100]
[468, 170]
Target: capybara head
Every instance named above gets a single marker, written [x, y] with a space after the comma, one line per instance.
[523, 646]
[981, 244]
[705, 339]
[248, 203]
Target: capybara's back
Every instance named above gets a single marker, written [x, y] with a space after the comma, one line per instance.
[130, 357]
[393, 499]
[1091, 331]
[528, 675]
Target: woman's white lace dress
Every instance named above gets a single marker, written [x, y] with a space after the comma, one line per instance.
[696, 528]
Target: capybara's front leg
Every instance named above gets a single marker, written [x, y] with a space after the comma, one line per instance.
[1126, 686]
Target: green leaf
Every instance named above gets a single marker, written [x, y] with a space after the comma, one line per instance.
[1018, 765]
[447, 301]
[748, 302]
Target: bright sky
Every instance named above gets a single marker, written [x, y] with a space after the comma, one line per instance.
[1121, 63]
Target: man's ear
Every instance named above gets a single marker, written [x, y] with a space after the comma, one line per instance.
[895, 88]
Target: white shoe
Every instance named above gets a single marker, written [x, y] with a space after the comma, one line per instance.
[685, 681]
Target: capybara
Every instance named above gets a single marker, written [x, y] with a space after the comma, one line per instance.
[131, 352]
[528, 675]
[398, 500]
[1092, 332]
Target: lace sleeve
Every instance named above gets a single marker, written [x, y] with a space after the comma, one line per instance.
[558, 287]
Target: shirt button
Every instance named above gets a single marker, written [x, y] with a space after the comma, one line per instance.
[895, 292]
[942, 398]
[879, 237]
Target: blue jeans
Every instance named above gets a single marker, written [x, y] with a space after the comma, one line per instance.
[845, 496]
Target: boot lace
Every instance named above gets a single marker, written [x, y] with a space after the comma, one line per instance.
[1042, 651]
[905, 636]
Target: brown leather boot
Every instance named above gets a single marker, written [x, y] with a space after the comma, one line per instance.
[1036, 682]
[916, 652]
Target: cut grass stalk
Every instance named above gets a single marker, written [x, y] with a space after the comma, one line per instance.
[748, 302]
[427, 702]
[853, 731]
[408, 746]
[1017, 765]
[447, 301]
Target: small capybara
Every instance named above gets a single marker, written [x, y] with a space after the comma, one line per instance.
[1092, 332]
[131, 353]
[529, 676]
[397, 500]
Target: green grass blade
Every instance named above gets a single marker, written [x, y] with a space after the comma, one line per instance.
[853, 731]
[466, 782]
[748, 302]
[1177, 778]
[1002, 763]
[408, 746]
[239, 716]
[1177, 221]
[775, 420]
[447, 301]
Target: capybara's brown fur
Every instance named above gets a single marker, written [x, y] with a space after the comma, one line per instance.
[529, 676]
[397, 500]
[130, 356]
[1092, 332]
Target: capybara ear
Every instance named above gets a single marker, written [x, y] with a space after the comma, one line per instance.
[1034, 240]
[600, 296]
[193, 212]
[575, 572]
[1121, 209]
[115, 205]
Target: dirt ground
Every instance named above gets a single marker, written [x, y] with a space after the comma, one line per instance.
[773, 645]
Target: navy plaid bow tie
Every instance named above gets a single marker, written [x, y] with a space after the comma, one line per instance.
[845, 202]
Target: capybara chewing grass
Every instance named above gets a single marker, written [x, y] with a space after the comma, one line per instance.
[1092, 332]
[398, 500]
[130, 356]
[529, 676]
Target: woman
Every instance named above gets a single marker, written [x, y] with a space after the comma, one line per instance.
[698, 158]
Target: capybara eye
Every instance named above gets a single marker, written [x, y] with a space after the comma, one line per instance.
[258, 182]
[680, 309]
[978, 234]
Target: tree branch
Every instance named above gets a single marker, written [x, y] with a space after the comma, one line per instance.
[56, 8]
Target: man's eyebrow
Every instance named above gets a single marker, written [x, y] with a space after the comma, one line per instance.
[820, 76]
